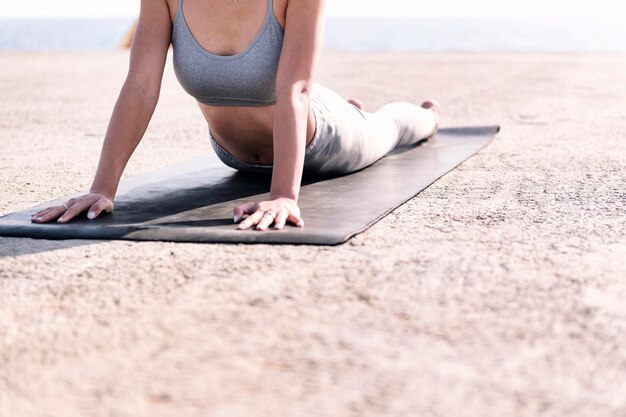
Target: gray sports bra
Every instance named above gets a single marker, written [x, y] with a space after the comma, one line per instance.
[244, 79]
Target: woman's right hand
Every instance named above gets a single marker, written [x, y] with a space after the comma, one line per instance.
[96, 203]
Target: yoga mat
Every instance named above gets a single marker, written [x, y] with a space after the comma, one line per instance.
[194, 201]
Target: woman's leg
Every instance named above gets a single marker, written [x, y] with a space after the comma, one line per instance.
[401, 123]
[414, 122]
[348, 139]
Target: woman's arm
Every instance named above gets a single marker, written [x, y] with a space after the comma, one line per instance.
[131, 114]
[138, 97]
[302, 46]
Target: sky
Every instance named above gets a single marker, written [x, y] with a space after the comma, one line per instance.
[420, 8]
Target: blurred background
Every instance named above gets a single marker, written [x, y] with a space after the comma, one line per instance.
[355, 25]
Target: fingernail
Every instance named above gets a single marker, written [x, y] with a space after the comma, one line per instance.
[91, 215]
[60, 220]
[235, 219]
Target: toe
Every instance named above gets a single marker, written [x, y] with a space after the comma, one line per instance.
[356, 103]
[432, 104]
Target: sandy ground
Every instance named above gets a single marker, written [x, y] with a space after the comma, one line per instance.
[497, 291]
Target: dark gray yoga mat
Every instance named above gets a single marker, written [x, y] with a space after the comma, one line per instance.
[194, 201]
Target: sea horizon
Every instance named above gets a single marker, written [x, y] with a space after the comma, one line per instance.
[359, 34]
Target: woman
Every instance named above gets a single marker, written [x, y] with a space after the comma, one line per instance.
[255, 88]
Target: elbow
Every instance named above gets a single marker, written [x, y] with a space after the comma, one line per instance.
[298, 93]
[303, 88]
[150, 90]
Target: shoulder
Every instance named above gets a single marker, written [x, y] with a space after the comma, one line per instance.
[309, 13]
[304, 3]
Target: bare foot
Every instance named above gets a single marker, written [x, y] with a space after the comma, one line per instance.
[435, 107]
[356, 103]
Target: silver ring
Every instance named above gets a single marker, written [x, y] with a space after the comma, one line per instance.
[271, 214]
[65, 205]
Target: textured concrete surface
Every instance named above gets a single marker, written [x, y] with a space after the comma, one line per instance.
[499, 290]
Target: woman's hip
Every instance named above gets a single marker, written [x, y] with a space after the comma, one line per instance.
[347, 138]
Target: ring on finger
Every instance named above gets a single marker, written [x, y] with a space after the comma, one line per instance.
[271, 214]
[65, 205]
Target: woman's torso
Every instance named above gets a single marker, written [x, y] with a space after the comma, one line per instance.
[226, 28]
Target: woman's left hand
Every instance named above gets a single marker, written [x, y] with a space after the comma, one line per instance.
[281, 210]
